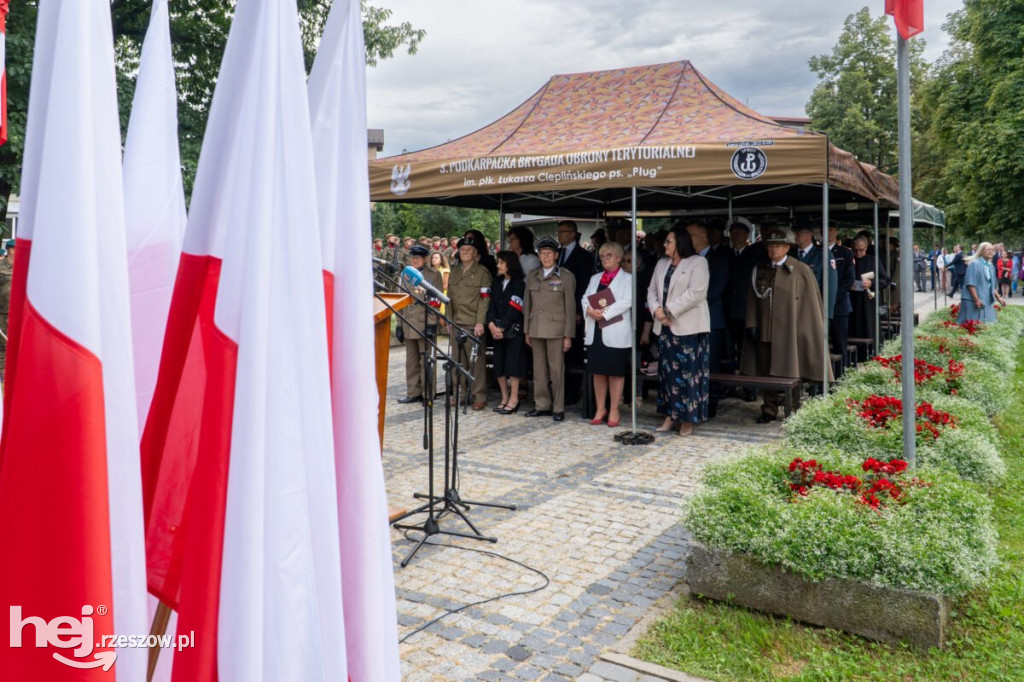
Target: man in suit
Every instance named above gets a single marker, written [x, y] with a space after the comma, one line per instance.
[580, 262]
[743, 257]
[548, 310]
[810, 254]
[958, 267]
[840, 327]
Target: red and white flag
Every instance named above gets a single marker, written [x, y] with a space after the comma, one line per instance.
[154, 201]
[908, 15]
[337, 97]
[70, 493]
[5, 6]
[238, 451]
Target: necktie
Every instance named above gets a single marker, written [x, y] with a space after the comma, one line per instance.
[561, 258]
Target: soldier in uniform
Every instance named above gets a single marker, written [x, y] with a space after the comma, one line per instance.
[469, 288]
[785, 321]
[549, 313]
[6, 275]
[417, 317]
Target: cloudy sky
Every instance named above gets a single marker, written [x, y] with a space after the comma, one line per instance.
[482, 58]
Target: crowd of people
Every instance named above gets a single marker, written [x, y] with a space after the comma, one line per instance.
[713, 300]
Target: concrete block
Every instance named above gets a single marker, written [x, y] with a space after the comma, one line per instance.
[880, 613]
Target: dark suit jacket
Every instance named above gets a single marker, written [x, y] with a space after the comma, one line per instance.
[718, 287]
[581, 264]
[740, 268]
[845, 270]
[813, 261]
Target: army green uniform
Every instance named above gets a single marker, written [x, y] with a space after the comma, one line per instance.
[470, 292]
[549, 313]
[6, 275]
[419, 319]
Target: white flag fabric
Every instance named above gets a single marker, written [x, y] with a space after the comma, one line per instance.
[337, 94]
[238, 452]
[70, 492]
[154, 201]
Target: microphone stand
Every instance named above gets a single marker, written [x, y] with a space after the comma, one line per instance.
[437, 506]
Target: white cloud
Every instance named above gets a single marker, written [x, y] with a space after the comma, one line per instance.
[482, 58]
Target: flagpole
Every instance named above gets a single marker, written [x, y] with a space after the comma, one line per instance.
[906, 252]
[160, 621]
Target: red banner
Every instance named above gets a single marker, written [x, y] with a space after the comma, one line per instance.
[909, 16]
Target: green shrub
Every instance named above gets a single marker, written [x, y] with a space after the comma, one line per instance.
[941, 540]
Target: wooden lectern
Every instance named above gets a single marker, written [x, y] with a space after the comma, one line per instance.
[382, 349]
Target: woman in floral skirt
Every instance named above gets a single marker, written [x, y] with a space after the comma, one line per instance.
[677, 299]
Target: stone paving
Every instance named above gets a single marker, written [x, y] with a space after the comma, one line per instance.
[599, 519]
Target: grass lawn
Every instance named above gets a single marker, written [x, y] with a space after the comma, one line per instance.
[986, 640]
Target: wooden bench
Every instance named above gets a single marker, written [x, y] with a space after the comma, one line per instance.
[793, 388]
[867, 345]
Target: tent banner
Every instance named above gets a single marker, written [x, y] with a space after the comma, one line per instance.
[784, 161]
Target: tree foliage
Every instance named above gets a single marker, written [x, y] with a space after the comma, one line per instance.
[975, 102]
[855, 100]
[199, 33]
[415, 220]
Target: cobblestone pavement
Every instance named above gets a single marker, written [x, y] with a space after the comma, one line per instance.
[599, 519]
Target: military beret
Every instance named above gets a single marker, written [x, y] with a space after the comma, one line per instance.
[547, 243]
[9, 244]
[419, 250]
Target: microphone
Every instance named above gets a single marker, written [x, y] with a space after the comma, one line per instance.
[387, 265]
[415, 279]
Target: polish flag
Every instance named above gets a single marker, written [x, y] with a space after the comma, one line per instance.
[238, 453]
[908, 15]
[154, 201]
[70, 495]
[337, 100]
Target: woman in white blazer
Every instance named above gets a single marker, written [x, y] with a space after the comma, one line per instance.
[608, 348]
[677, 298]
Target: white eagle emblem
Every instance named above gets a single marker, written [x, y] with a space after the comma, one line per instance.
[400, 179]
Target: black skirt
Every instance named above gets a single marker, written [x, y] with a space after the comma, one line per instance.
[602, 359]
[510, 357]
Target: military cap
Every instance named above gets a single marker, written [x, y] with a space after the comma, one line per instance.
[777, 235]
[419, 250]
[547, 243]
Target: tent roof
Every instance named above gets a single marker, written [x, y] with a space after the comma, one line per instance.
[924, 213]
[663, 125]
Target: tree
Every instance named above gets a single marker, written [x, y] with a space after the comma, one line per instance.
[199, 32]
[975, 102]
[855, 101]
[415, 220]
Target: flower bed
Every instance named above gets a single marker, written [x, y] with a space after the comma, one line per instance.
[835, 500]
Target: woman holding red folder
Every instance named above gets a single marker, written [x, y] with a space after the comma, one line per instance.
[607, 305]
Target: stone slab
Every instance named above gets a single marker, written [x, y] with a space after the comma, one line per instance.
[877, 612]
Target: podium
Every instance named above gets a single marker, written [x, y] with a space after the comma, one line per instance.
[382, 350]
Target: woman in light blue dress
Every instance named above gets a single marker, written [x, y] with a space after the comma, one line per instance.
[979, 292]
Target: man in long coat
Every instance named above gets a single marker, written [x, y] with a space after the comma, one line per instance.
[785, 322]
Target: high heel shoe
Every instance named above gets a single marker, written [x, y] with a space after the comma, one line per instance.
[595, 421]
[509, 410]
[499, 408]
[612, 424]
[665, 429]
[683, 430]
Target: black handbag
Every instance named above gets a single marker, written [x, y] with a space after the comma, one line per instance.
[514, 331]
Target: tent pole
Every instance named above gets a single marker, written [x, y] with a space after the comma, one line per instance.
[826, 264]
[945, 302]
[935, 269]
[906, 251]
[878, 291]
[501, 221]
[730, 204]
[632, 337]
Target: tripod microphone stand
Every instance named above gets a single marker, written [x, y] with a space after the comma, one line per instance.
[437, 506]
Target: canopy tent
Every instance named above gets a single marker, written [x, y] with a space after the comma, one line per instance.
[583, 141]
[662, 136]
[924, 214]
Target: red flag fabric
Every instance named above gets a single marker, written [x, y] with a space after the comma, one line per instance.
[909, 16]
[70, 484]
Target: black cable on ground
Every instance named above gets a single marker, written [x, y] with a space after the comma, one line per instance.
[547, 581]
